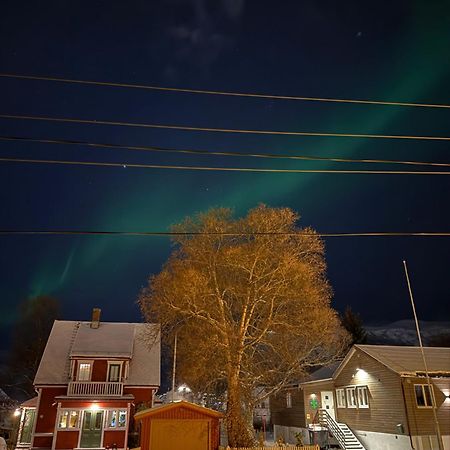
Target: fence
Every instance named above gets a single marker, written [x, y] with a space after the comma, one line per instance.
[275, 447]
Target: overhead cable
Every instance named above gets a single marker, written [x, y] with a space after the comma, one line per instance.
[173, 234]
[218, 130]
[219, 153]
[217, 169]
[221, 93]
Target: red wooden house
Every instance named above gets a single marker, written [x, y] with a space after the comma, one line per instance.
[91, 379]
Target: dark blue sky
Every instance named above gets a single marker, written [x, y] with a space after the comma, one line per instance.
[394, 51]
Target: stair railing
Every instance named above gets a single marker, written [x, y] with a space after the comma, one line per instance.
[331, 424]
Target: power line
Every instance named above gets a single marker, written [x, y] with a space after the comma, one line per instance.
[221, 93]
[169, 234]
[218, 169]
[219, 130]
[218, 153]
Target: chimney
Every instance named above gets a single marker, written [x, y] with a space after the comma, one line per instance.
[95, 323]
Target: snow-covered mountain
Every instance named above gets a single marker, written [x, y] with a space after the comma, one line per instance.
[403, 332]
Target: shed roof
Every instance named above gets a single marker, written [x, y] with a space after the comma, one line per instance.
[176, 405]
[404, 360]
[70, 339]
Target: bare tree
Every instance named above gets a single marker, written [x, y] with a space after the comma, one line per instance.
[250, 302]
[31, 331]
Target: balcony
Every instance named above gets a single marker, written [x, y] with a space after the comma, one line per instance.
[95, 389]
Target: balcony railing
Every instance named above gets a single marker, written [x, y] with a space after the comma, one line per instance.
[95, 389]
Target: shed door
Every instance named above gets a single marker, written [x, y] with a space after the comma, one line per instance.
[328, 402]
[179, 435]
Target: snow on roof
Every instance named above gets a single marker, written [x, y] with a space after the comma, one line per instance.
[109, 339]
[30, 403]
[70, 339]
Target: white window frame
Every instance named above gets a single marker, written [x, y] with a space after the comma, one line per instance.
[352, 400]
[424, 387]
[288, 400]
[362, 393]
[108, 417]
[91, 367]
[341, 398]
[68, 412]
[115, 363]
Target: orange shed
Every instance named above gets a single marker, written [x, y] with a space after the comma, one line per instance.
[179, 426]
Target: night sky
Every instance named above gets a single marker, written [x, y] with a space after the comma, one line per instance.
[390, 51]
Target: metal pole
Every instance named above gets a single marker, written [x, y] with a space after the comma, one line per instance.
[430, 387]
[174, 367]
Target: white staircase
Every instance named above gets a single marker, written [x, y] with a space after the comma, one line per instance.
[347, 440]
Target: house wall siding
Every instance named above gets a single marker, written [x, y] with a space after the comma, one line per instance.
[140, 394]
[67, 439]
[42, 442]
[313, 391]
[421, 420]
[46, 416]
[112, 438]
[99, 370]
[386, 404]
[282, 415]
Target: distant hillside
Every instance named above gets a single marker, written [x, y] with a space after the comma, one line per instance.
[403, 332]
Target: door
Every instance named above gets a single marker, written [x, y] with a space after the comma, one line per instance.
[328, 402]
[179, 434]
[91, 432]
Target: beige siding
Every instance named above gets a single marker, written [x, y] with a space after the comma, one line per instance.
[291, 417]
[421, 420]
[313, 391]
[386, 404]
[301, 413]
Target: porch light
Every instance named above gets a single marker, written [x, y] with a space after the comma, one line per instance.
[17, 412]
[94, 407]
[184, 388]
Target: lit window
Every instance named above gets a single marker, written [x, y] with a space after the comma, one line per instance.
[340, 396]
[363, 396]
[288, 400]
[122, 419]
[423, 396]
[351, 397]
[117, 418]
[69, 419]
[84, 371]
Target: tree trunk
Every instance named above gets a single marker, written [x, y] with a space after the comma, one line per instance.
[239, 430]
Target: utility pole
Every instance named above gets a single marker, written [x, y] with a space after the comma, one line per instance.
[174, 366]
[430, 387]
